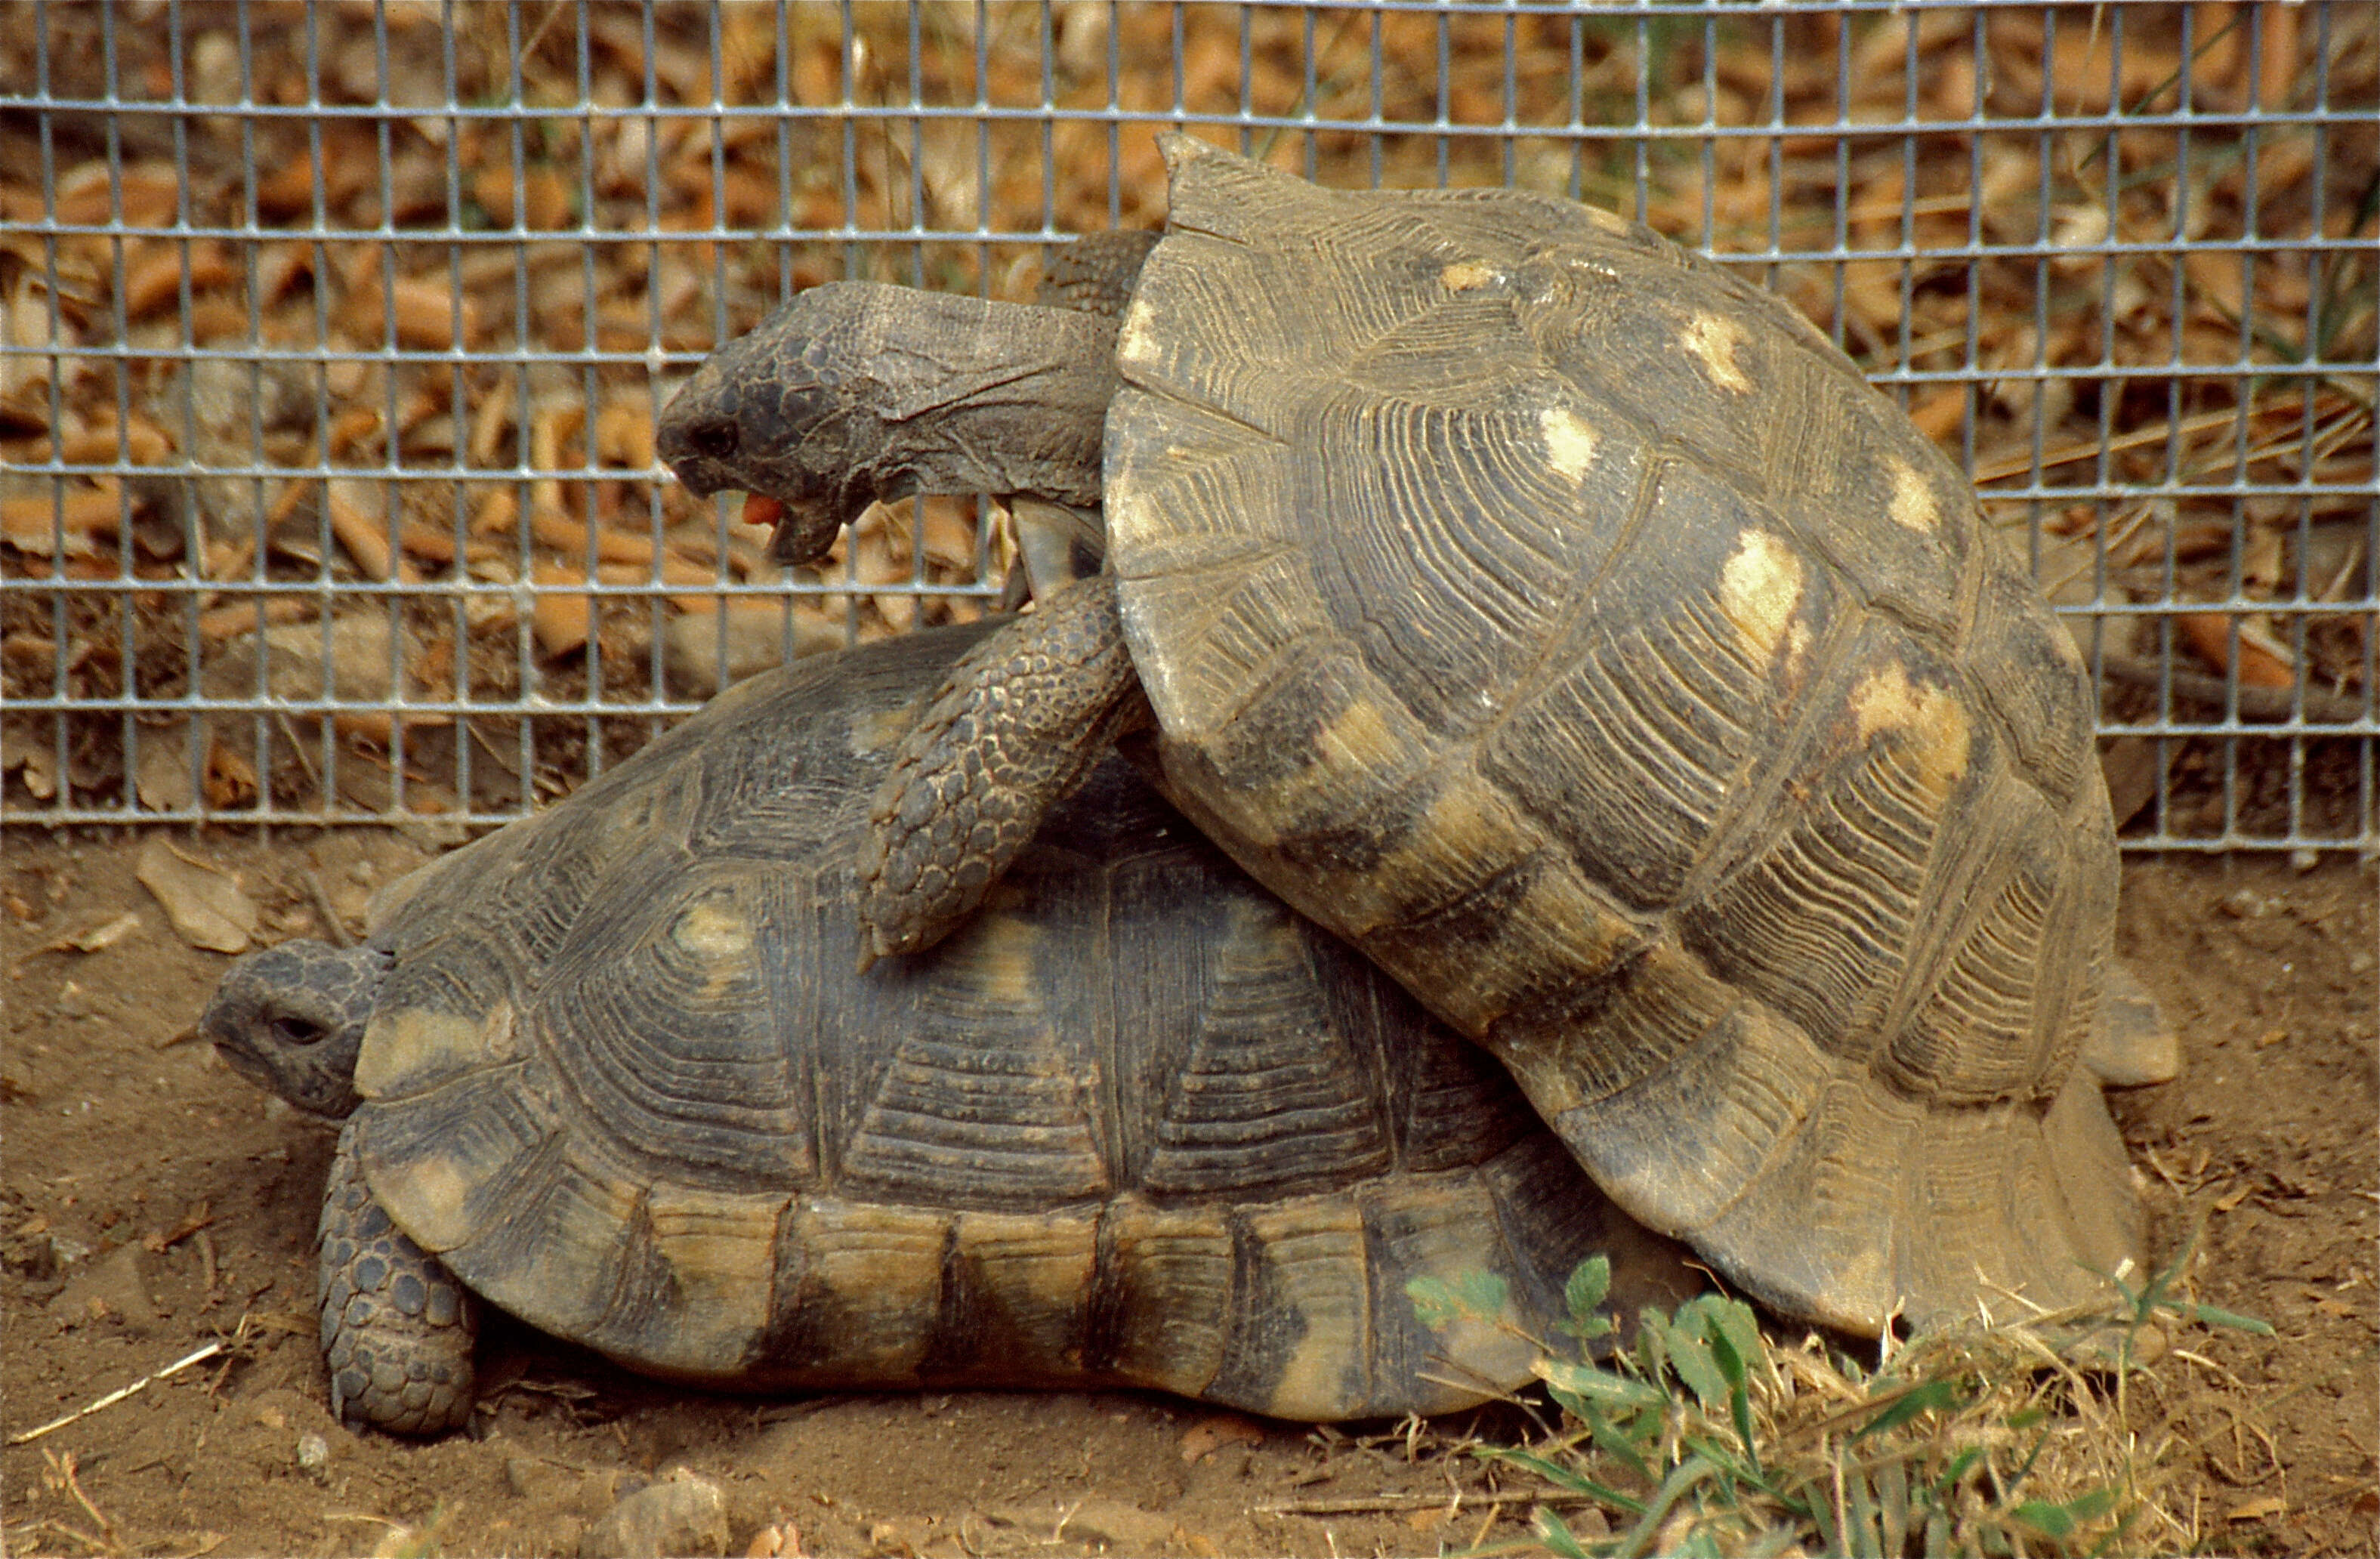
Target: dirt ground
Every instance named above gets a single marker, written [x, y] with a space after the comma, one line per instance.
[154, 1202]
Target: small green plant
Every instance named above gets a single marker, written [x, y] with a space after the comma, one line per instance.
[1705, 1436]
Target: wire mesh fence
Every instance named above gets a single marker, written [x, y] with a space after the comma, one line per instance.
[332, 336]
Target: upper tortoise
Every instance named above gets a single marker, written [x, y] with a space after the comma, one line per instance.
[1569, 626]
[1137, 1125]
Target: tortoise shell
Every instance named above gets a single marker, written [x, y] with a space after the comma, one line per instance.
[1567, 625]
[1139, 1125]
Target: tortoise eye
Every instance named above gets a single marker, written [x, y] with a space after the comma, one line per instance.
[294, 1030]
[714, 441]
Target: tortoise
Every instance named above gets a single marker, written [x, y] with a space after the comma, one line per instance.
[1567, 625]
[1139, 1125]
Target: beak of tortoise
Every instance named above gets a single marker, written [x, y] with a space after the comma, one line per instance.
[795, 536]
[798, 532]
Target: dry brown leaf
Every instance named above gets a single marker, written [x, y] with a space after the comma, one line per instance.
[545, 207]
[2218, 278]
[140, 442]
[2209, 634]
[163, 782]
[104, 935]
[150, 193]
[1216, 1430]
[82, 513]
[355, 519]
[417, 312]
[562, 620]
[381, 725]
[231, 778]
[154, 281]
[497, 512]
[206, 904]
[241, 616]
[426, 541]
[623, 436]
[26, 753]
[571, 538]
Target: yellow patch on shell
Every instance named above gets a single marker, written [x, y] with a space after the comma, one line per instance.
[1760, 590]
[1570, 442]
[1913, 501]
[1609, 221]
[1466, 274]
[416, 1048]
[713, 932]
[1934, 723]
[1713, 340]
[1362, 743]
[1136, 340]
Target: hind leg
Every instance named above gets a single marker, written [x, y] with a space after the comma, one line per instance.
[397, 1329]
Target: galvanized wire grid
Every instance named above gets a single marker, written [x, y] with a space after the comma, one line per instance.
[333, 334]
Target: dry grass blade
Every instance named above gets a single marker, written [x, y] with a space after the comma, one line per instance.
[112, 1399]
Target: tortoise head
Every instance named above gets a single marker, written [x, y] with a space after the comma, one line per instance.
[291, 1018]
[783, 413]
[856, 392]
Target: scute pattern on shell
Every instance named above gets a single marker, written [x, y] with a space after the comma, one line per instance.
[1139, 1124]
[1562, 621]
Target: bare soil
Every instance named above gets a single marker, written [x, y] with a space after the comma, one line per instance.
[154, 1202]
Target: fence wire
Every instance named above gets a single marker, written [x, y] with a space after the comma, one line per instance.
[332, 336]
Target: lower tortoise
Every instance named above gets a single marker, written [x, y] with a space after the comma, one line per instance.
[610, 1069]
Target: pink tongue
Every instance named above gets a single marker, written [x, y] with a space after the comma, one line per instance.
[758, 510]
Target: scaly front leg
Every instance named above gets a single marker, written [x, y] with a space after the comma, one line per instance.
[1019, 722]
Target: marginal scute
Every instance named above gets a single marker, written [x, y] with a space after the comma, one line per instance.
[1307, 1335]
[434, 1192]
[1824, 1218]
[415, 1049]
[1684, 1141]
[1027, 1282]
[1174, 1275]
[720, 1249]
[873, 1283]
[551, 1249]
[1449, 1224]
